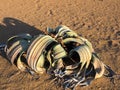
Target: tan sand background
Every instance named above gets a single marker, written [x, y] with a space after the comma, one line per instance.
[96, 20]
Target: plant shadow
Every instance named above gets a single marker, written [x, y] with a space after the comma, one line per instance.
[12, 26]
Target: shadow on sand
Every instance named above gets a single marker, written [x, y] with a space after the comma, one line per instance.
[12, 26]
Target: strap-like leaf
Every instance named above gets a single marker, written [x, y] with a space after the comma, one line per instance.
[31, 49]
[84, 55]
[20, 63]
[40, 64]
[41, 48]
[98, 66]
[58, 52]
[68, 40]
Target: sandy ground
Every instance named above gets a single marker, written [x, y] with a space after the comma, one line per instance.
[96, 20]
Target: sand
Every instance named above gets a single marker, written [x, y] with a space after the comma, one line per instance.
[96, 20]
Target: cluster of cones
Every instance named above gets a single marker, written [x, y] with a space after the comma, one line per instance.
[62, 53]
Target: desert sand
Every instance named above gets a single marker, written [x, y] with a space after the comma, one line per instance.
[96, 20]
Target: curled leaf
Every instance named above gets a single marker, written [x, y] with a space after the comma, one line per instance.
[98, 66]
[84, 55]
